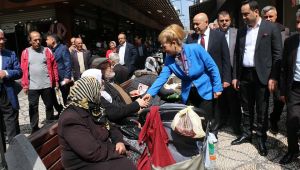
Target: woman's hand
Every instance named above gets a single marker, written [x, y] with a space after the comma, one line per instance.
[147, 97]
[142, 102]
[120, 148]
[217, 94]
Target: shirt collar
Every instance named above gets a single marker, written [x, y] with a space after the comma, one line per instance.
[124, 45]
[207, 31]
[257, 24]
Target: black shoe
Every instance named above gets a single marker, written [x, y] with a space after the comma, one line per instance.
[288, 158]
[274, 128]
[241, 139]
[262, 149]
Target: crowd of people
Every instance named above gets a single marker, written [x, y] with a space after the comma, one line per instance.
[230, 73]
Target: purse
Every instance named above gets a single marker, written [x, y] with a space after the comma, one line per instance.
[130, 131]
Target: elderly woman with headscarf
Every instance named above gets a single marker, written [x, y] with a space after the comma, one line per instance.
[112, 48]
[115, 106]
[87, 139]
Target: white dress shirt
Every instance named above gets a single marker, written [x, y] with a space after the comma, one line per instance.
[227, 36]
[297, 68]
[251, 38]
[206, 37]
[122, 54]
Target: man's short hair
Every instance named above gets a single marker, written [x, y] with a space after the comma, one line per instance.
[253, 4]
[114, 57]
[29, 37]
[55, 37]
[267, 9]
[223, 13]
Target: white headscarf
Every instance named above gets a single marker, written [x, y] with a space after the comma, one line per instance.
[96, 73]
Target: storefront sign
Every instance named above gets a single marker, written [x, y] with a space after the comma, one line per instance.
[8, 27]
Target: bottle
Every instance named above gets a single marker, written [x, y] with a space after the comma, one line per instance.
[212, 151]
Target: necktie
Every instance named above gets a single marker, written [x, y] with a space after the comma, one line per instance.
[202, 41]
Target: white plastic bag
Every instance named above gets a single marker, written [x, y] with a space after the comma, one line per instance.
[187, 123]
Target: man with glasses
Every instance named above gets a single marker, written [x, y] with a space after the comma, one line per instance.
[39, 76]
[270, 14]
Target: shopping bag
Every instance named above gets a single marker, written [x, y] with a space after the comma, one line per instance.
[59, 97]
[187, 123]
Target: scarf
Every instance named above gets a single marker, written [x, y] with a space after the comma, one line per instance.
[85, 93]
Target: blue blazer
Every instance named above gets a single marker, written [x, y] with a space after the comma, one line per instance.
[11, 64]
[203, 73]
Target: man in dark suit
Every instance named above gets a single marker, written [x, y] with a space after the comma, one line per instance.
[270, 14]
[256, 71]
[80, 59]
[142, 53]
[215, 44]
[127, 53]
[9, 72]
[121, 72]
[290, 91]
[229, 101]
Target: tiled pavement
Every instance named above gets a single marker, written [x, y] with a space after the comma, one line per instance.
[241, 157]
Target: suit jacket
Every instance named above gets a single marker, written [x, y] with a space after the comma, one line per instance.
[289, 58]
[130, 57]
[75, 63]
[203, 74]
[11, 64]
[141, 59]
[232, 42]
[122, 74]
[267, 54]
[218, 49]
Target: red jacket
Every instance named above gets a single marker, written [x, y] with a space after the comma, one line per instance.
[51, 65]
[156, 138]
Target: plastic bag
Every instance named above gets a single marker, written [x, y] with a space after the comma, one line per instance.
[187, 123]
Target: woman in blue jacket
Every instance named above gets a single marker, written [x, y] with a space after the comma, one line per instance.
[199, 74]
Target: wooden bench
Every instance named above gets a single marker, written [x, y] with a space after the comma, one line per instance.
[45, 142]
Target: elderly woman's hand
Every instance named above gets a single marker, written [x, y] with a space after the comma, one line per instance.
[120, 148]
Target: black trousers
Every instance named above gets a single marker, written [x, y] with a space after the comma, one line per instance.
[65, 90]
[33, 98]
[293, 117]
[206, 105]
[254, 99]
[278, 107]
[230, 109]
[6, 112]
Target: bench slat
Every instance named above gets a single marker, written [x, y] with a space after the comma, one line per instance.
[56, 166]
[46, 148]
[43, 135]
[52, 157]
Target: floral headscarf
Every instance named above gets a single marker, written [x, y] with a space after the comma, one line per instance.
[86, 94]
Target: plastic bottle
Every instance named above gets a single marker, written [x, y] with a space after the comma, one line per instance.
[212, 151]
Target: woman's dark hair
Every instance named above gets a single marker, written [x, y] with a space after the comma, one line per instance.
[253, 4]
